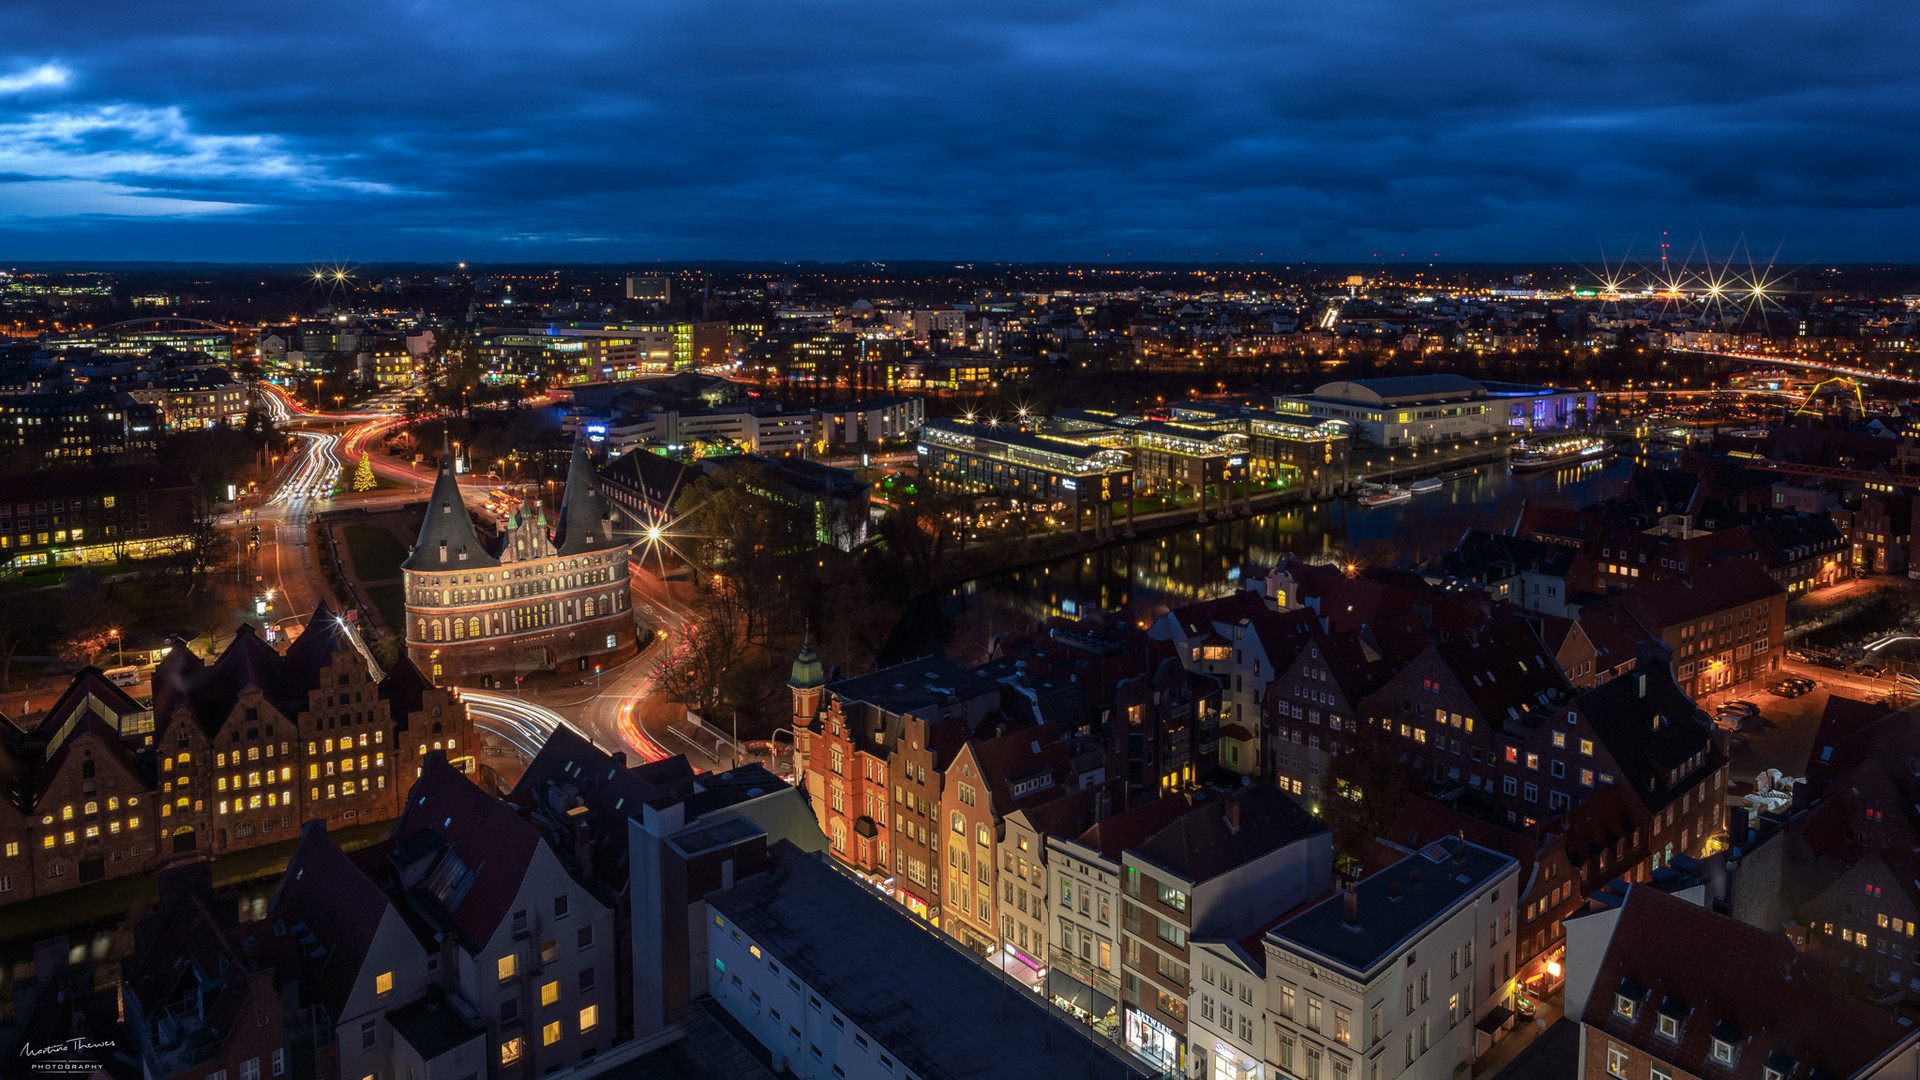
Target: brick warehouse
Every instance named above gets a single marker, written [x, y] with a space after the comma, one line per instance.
[234, 753]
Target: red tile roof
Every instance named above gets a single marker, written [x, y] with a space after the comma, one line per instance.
[1744, 985]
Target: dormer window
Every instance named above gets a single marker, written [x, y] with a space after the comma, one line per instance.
[1624, 1005]
[1722, 1051]
[1669, 1026]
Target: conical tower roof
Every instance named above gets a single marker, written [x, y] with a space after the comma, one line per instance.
[583, 524]
[447, 537]
[808, 671]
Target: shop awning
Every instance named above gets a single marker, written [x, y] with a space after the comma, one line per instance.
[1080, 995]
[1495, 1019]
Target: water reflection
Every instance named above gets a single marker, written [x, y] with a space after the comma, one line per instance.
[1142, 579]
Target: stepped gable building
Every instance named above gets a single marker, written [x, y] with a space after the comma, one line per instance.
[538, 598]
[233, 754]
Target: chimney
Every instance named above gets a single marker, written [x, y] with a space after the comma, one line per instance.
[1802, 797]
[620, 758]
[1233, 816]
[1640, 684]
[1737, 827]
[1102, 801]
[1350, 905]
[1000, 729]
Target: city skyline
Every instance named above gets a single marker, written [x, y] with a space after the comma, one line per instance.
[1087, 133]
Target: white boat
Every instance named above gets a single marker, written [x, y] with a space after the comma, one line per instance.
[1431, 483]
[1387, 498]
[1555, 454]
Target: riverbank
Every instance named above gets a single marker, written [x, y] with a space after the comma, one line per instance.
[1173, 559]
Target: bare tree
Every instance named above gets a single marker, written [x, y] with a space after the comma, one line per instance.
[21, 614]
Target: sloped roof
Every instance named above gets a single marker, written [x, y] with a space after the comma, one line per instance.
[583, 524]
[210, 691]
[1506, 670]
[1650, 726]
[1201, 844]
[1745, 985]
[1708, 590]
[448, 527]
[494, 847]
[325, 893]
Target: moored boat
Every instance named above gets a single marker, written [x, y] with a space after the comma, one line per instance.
[1552, 455]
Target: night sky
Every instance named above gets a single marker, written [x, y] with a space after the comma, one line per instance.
[975, 129]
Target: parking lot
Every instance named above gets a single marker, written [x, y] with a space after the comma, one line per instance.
[1781, 737]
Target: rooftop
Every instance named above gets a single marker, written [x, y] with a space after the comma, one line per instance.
[806, 913]
[1396, 904]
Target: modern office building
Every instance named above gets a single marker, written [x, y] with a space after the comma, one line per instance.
[1415, 410]
[1047, 472]
[1280, 448]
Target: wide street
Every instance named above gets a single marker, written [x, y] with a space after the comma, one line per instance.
[608, 707]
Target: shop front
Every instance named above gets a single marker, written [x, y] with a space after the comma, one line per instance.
[1020, 967]
[1082, 1002]
[1156, 1042]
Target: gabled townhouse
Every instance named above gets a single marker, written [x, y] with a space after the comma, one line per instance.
[1312, 706]
[466, 908]
[991, 777]
[1024, 900]
[527, 945]
[1082, 889]
[78, 807]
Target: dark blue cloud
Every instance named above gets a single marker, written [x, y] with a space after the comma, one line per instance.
[858, 129]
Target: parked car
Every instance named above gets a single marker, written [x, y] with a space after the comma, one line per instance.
[1833, 662]
[1787, 688]
[1744, 708]
[1800, 654]
[1870, 670]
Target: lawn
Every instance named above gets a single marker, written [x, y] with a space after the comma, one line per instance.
[391, 601]
[376, 553]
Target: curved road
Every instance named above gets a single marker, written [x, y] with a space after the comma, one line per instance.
[605, 710]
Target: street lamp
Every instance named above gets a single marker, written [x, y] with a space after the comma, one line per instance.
[118, 650]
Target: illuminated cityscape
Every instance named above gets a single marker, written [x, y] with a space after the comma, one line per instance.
[1145, 543]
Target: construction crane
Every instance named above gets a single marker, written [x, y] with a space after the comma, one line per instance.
[1804, 409]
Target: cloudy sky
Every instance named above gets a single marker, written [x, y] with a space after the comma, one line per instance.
[967, 129]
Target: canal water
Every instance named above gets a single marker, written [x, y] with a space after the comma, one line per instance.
[1141, 579]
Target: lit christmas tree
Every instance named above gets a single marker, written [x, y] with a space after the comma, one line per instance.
[363, 476]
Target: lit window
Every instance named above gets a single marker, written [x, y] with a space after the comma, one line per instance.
[383, 983]
[550, 993]
[510, 1051]
[550, 1034]
[507, 968]
[589, 1018]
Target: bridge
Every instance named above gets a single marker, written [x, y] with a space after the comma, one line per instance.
[169, 323]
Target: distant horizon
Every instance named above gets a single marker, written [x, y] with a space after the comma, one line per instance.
[635, 266]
